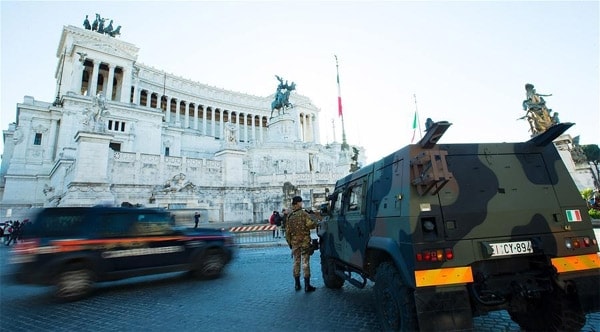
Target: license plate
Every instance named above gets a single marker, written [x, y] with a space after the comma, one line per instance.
[511, 248]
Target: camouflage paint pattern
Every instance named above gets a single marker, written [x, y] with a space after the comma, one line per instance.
[462, 197]
[298, 226]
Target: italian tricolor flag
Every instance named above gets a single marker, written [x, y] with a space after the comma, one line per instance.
[573, 215]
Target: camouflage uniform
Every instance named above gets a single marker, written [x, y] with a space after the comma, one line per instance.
[297, 234]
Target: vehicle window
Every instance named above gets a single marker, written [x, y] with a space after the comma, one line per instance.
[355, 200]
[337, 203]
[152, 224]
[60, 224]
[116, 224]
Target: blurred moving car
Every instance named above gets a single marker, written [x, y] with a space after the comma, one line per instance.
[72, 248]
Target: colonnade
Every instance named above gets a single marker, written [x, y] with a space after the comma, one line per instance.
[96, 76]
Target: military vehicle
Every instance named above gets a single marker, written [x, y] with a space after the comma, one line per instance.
[448, 232]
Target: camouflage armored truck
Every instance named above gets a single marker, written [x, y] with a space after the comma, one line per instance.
[451, 231]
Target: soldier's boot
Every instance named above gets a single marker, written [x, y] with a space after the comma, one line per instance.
[297, 286]
[307, 286]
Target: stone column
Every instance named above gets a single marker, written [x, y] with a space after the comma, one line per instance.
[109, 86]
[299, 134]
[221, 123]
[253, 129]
[177, 116]
[148, 98]
[196, 116]
[260, 129]
[168, 110]
[315, 128]
[204, 119]
[136, 91]
[126, 85]
[246, 128]
[213, 122]
[187, 115]
[93, 88]
[78, 82]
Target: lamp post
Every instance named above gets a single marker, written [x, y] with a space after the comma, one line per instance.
[57, 101]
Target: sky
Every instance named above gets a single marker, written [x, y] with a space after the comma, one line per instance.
[462, 62]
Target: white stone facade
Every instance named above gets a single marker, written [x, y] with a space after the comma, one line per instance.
[121, 131]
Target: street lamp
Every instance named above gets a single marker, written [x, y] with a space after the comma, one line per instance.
[57, 101]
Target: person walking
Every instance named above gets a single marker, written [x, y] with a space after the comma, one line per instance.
[273, 222]
[297, 235]
[284, 215]
[196, 219]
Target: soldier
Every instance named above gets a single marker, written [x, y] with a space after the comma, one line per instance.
[297, 235]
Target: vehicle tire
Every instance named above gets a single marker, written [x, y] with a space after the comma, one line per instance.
[555, 311]
[73, 283]
[330, 279]
[395, 302]
[209, 265]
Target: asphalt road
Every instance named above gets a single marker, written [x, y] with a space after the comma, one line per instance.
[255, 294]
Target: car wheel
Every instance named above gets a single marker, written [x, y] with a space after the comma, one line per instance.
[330, 279]
[395, 302]
[555, 311]
[74, 283]
[210, 265]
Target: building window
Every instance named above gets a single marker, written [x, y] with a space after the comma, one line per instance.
[167, 151]
[116, 125]
[115, 146]
[38, 139]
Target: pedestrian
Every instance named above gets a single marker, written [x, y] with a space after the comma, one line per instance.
[273, 222]
[284, 215]
[278, 221]
[196, 219]
[298, 226]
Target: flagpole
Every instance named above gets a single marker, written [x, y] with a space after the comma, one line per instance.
[418, 120]
[340, 113]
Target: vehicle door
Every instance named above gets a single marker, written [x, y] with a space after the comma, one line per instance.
[140, 240]
[353, 226]
[163, 246]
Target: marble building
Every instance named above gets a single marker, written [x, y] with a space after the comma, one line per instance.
[121, 131]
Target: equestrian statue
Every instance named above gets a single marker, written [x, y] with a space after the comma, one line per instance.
[282, 96]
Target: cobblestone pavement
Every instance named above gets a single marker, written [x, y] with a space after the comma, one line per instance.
[255, 294]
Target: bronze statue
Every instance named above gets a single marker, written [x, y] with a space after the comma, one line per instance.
[86, 23]
[115, 32]
[538, 115]
[108, 30]
[282, 95]
[96, 22]
[99, 27]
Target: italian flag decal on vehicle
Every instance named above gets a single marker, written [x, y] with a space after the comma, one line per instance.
[573, 215]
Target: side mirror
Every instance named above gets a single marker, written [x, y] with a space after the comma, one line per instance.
[324, 208]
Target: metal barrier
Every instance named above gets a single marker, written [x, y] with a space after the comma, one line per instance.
[253, 234]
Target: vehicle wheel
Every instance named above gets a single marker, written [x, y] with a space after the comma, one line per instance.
[395, 303]
[330, 279]
[210, 265]
[74, 283]
[555, 311]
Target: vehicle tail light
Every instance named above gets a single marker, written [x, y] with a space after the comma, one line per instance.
[435, 255]
[586, 241]
[26, 246]
[583, 242]
[449, 254]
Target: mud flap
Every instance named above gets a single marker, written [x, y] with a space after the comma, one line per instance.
[443, 309]
[588, 291]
